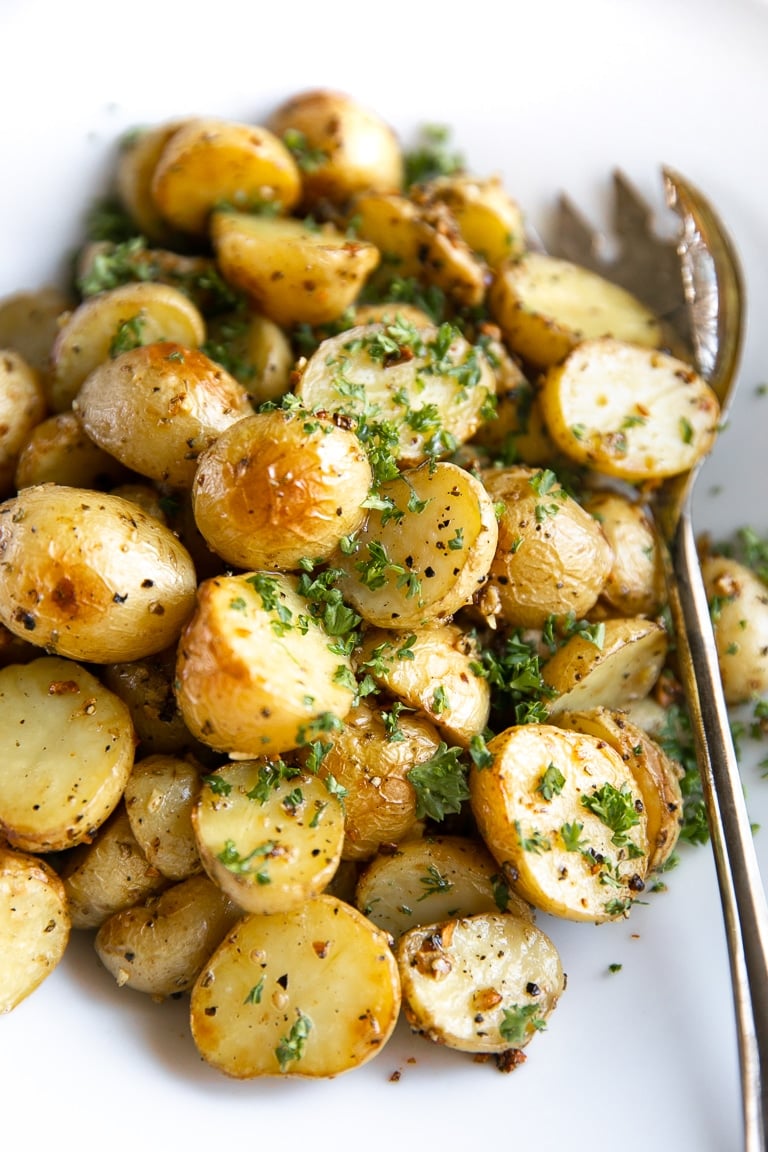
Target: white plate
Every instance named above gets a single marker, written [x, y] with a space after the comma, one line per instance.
[552, 94]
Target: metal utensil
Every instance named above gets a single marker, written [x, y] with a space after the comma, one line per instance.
[694, 282]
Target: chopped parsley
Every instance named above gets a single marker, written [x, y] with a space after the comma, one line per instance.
[440, 783]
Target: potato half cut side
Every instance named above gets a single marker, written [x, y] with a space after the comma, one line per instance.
[484, 983]
[657, 776]
[312, 993]
[269, 836]
[434, 878]
[66, 751]
[34, 925]
[546, 306]
[633, 413]
[562, 812]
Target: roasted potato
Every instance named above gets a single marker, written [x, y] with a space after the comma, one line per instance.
[160, 795]
[635, 585]
[59, 451]
[90, 576]
[738, 601]
[34, 925]
[22, 406]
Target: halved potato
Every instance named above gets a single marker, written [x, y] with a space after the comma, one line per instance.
[489, 220]
[635, 585]
[208, 162]
[430, 670]
[136, 163]
[546, 306]
[255, 350]
[657, 776]
[485, 983]
[312, 993]
[133, 314]
[279, 488]
[434, 878]
[34, 925]
[161, 945]
[293, 273]
[618, 665]
[270, 837]
[256, 673]
[66, 751]
[633, 413]
[429, 386]
[562, 812]
[425, 552]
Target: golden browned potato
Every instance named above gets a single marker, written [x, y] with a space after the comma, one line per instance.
[58, 451]
[552, 557]
[281, 487]
[433, 878]
[563, 812]
[34, 925]
[739, 609]
[656, 775]
[515, 432]
[22, 407]
[429, 385]
[256, 673]
[156, 408]
[635, 585]
[313, 992]
[369, 759]
[256, 351]
[161, 945]
[489, 220]
[66, 750]
[114, 321]
[29, 322]
[424, 552]
[90, 576]
[109, 874]
[393, 223]
[633, 413]
[545, 307]
[292, 272]
[340, 146]
[136, 163]
[160, 795]
[208, 162]
[430, 670]
[269, 836]
[620, 661]
[485, 983]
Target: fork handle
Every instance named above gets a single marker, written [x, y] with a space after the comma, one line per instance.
[741, 889]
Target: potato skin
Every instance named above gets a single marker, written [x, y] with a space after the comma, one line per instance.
[90, 576]
[279, 487]
[739, 607]
[22, 406]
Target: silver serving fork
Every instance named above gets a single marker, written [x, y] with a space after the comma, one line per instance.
[695, 283]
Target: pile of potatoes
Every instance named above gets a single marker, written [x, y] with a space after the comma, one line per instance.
[262, 513]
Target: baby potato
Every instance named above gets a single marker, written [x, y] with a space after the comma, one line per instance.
[739, 609]
[156, 408]
[340, 146]
[370, 757]
[434, 878]
[393, 224]
[430, 670]
[280, 487]
[146, 688]
[257, 352]
[66, 751]
[161, 945]
[136, 162]
[269, 836]
[546, 306]
[635, 585]
[34, 925]
[160, 795]
[489, 220]
[621, 664]
[282, 994]
[59, 451]
[293, 273]
[90, 576]
[29, 322]
[22, 407]
[255, 672]
[564, 815]
[425, 552]
[515, 432]
[656, 775]
[208, 162]
[101, 327]
[109, 874]
[430, 384]
[485, 983]
[633, 413]
[552, 557]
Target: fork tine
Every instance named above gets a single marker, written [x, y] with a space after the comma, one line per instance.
[575, 239]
